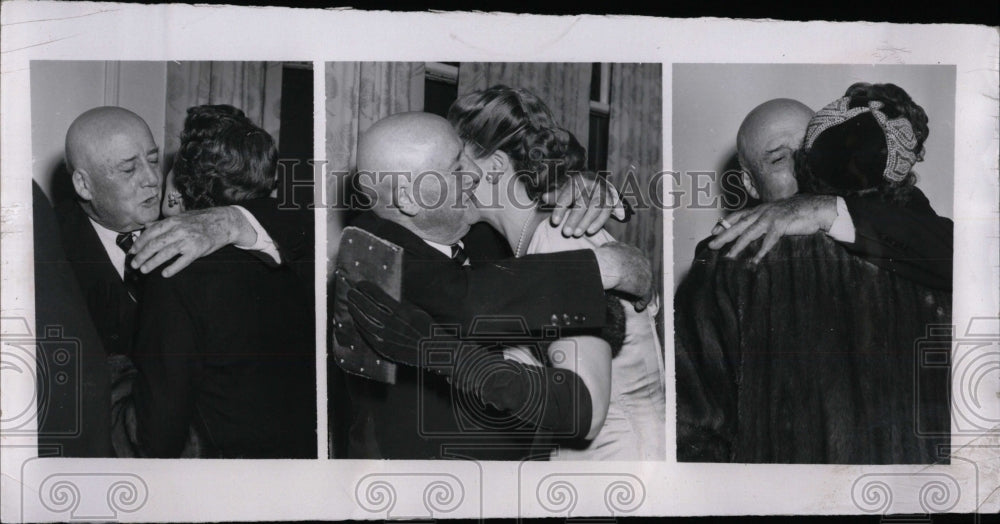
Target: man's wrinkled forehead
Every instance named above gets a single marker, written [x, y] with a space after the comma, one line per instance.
[782, 138]
[123, 145]
[771, 136]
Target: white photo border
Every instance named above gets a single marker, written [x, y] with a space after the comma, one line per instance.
[51, 489]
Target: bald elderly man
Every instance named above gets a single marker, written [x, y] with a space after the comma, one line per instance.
[455, 273]
[114, 165]
[807, 355]
[915, 245]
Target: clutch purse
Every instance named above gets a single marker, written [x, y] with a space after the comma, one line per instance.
[363, 256]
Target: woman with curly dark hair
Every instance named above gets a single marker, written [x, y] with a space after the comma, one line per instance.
[523, 153]
[223, 158]
[224, 350]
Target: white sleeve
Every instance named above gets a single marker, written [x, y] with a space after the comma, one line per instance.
[842, 229]
[264, 243]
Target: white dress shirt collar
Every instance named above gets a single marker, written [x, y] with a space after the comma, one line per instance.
[445, 249]
[108, 240]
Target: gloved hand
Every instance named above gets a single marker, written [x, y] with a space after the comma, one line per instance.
[551, 399]
[392, 328]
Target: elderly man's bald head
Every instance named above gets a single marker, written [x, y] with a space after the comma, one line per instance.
[115, 168]
[768, 136]
[408, 142]
[412, 165]
[93, 128]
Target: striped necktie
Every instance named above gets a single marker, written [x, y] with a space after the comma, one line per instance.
[130, 275]
[459, 256]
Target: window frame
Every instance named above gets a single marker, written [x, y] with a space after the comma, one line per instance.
[602, 106]
[441, 72]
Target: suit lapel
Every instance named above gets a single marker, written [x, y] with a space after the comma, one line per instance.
[112, 310]
[82, 244]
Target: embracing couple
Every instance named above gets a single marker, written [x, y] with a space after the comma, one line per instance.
[585, 379]
[205, 328]
[801, 327]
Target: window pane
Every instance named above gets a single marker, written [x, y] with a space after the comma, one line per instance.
[597, 147]
[295, 138]
[438, 96]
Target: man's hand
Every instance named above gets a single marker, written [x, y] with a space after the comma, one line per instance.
[189, 236]
[625, 269]
[583, 205]
[797, 215]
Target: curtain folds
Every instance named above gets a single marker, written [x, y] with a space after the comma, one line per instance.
[635, 146]
[254, 87]
[564, 87]
[358, 94]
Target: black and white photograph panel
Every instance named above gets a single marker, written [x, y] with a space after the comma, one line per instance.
[173, 267]
[813, 251]
[493, 292]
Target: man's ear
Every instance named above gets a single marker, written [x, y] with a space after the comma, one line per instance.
[749, 185]
[81, 183]
[405, 201]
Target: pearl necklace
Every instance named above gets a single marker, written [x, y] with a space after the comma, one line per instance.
[520, 239]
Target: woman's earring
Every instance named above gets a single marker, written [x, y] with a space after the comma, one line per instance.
[492, 177]
[173, 199]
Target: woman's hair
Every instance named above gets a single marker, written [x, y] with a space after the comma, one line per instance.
[850, 158]
[224, 158]
[516, 122]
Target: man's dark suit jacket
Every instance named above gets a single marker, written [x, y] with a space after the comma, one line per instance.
[113, 313]
[813, 356]
[73, 415]
[111, 309]
[910, 239]
[542, 289]
[226, 346]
